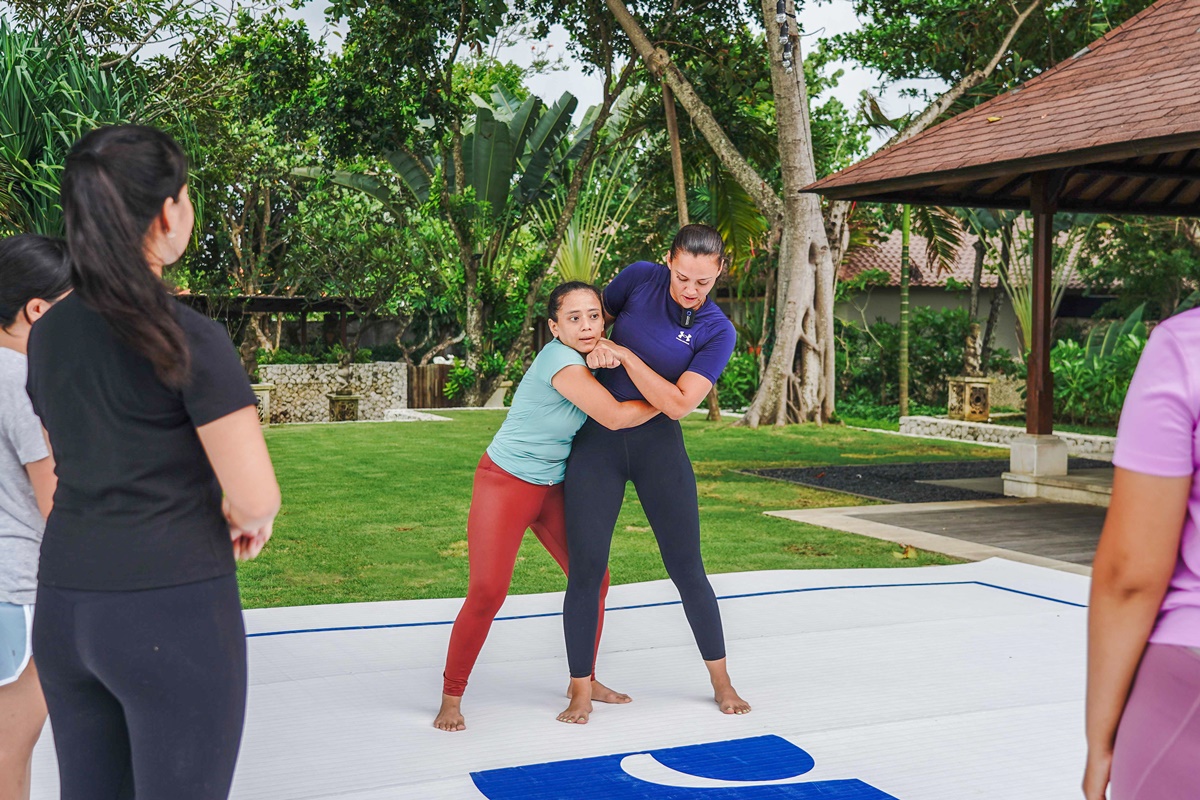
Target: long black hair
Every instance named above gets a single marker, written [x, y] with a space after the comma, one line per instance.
[700, 240]
[32, 267]
[114, 185]
[554, 304]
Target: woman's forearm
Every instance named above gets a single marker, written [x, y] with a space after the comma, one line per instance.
[635, 412]
[1119, 623]
[658, 391]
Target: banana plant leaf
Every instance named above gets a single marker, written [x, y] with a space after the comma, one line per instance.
[492, 163]
[415, 174]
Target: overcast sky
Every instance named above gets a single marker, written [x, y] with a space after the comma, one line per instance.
[826, 19]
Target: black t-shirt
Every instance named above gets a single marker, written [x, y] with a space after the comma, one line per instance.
[138, 505]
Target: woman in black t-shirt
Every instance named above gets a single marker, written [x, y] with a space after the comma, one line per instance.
[163, 479]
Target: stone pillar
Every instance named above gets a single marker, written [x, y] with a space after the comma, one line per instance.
[1036, 454]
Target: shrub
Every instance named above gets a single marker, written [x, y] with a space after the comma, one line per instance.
[1091, 379]
[319, 355]
[739, 381]
[868, 361]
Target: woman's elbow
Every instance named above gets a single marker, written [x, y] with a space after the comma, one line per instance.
[614, 420]
[678, 412]
[1127, 578]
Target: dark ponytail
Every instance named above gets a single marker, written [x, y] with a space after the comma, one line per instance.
[114, 185]
[700, 240]
[31, 268]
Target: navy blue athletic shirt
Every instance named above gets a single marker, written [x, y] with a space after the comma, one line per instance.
[647, 322]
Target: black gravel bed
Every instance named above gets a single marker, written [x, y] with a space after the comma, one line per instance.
[899, 482]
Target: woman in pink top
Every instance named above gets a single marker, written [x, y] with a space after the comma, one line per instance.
[1143, 694]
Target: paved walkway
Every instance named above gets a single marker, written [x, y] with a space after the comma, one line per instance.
[1058, 535]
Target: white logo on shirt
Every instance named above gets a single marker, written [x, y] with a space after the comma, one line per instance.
[686, 338]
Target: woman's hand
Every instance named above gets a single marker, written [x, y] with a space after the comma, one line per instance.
[1095, 777]
[605, 355]
[246, 544]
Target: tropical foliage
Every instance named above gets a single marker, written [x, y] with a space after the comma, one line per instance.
[51, 93]
[1091, 379]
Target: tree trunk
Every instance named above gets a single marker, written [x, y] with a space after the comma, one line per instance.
[475, 395]
[253, 338]
[989, 332]
[977, 276]
[799, 379]
[681, 201]
[837, 230]
[905, 274]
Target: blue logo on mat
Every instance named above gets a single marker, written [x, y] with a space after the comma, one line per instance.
[749, 761]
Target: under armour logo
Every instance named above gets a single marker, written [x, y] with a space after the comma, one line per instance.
[686, 338]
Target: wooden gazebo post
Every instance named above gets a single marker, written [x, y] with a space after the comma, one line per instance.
[1039, 451]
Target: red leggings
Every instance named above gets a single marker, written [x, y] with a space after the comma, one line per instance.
[502, 507]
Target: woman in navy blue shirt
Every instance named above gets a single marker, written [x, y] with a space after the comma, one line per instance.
[669, 346]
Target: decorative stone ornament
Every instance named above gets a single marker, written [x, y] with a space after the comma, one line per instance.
[970, 398]
[262, 393]
[343, 407]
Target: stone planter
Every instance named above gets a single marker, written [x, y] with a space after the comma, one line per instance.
[969, 398]
[262, 392]
[343, 407]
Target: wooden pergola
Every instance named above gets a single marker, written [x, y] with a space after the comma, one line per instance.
[1113, 129]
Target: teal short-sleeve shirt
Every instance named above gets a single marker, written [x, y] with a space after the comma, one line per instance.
[535, 439]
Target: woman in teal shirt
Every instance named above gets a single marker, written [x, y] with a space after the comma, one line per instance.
[518, 484]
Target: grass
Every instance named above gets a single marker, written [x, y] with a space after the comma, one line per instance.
[871, 422]
[377, 511]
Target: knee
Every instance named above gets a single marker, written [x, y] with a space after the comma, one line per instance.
[484, 599]
[587, 578]
[689, 577]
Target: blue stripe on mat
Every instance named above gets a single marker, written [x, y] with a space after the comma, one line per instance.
[675, 603]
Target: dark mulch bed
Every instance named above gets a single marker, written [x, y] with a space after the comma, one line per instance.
[898, 482]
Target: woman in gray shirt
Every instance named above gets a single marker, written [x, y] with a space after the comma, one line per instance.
[33, 276]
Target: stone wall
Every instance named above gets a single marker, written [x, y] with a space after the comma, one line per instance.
[1006, 393]
[300, 389]
[1078, 444]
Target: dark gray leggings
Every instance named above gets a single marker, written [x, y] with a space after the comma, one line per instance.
[601, 463]
[146, 689]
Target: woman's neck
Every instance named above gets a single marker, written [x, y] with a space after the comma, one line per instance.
[15, 341]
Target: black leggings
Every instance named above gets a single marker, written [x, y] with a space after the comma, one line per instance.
[146, 689]
[601, 463]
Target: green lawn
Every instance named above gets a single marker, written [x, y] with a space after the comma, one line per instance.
[377, 511]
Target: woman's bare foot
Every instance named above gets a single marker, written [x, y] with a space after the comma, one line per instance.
[727, 698]
[580, 708]
[603, 694]
[729, 701]
[450, 716]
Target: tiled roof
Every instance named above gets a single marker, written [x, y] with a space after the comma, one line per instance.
[1129, 95]
[886, 256]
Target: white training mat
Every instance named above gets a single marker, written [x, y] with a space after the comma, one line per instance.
[937, 683]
